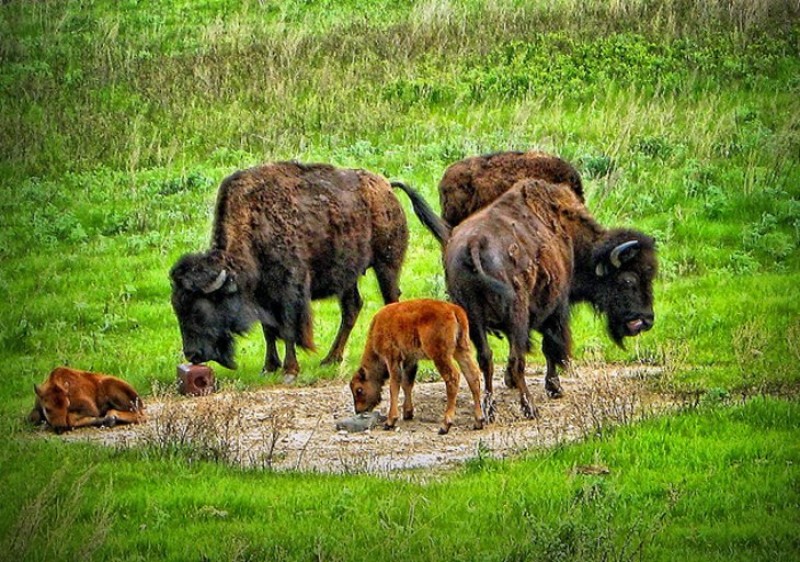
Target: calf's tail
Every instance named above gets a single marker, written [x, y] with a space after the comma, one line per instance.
[433, 222]
[462, 338]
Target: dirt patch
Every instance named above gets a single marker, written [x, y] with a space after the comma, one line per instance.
[289, 428]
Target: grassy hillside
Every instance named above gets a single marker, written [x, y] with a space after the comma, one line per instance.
[119, 119]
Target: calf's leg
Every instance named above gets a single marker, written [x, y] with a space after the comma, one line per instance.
[451, 379]
[472, 374]
[409, 376]
[395, 375]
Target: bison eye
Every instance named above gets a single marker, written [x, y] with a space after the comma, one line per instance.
[628, 280]
[359, 391]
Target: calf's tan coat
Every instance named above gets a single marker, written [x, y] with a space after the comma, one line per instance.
[400, 335]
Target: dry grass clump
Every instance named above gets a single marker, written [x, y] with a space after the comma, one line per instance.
[216, 428]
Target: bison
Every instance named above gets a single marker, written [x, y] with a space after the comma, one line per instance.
[520, 263]
[70, 399]
[285, 234]
[470, 184]
[403, 333]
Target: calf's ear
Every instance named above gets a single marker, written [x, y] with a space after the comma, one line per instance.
[362, 374]
[37, 389]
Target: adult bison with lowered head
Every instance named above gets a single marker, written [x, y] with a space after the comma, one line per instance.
[285, 234]
[518, 265]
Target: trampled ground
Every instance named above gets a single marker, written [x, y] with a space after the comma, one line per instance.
[293, 428]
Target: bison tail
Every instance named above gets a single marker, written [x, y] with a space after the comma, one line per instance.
[305, 336]
[491, 283]
[433, 222]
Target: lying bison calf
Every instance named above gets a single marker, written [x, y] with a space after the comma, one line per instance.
[70, 398]
[400, 335]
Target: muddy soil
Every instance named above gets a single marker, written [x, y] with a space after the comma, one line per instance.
[293, 428]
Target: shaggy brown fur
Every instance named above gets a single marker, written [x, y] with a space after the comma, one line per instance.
[70, 399]
[286, 234]
[470, 184]
[518, 264]
[399, 336]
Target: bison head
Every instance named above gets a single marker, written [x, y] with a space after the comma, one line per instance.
[366, 391]
[624, 265]
[210, 308]
[52, 402]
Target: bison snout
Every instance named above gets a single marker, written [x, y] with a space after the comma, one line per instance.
[194, 356]
[640, 324]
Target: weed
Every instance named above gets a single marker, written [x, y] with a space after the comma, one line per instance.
[45, 527]
[213, 431]
[588, 530]
[597, 165]
[611, 402]
[749, 346]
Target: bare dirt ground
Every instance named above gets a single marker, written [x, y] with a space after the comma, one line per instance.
[293, 428]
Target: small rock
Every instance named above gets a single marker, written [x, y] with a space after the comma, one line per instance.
[360, 422]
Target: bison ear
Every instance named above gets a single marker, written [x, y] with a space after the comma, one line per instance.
[601, 270]
[37, 388]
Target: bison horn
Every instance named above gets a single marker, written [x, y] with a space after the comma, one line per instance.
[217, 283]
[617, 252]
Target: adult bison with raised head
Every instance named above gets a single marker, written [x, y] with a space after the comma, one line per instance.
[471, 184]
[520, 263]
[285, 234]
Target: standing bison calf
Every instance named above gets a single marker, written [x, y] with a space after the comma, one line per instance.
[400, 335]
[70, 399]
[519, 264]
[286, 234]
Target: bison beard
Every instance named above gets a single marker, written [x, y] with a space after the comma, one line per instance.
[519, 264]
[286, 234]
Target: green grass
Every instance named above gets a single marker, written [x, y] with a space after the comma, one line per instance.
[119, 119]
[686, 483]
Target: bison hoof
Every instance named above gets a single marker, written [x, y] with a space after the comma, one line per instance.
[445, 429]
[408, 415]
[530, 412]
[489, 408]
[388, 426]
[553, 388]
[289, 378]
[478, 424]
[270, 367]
